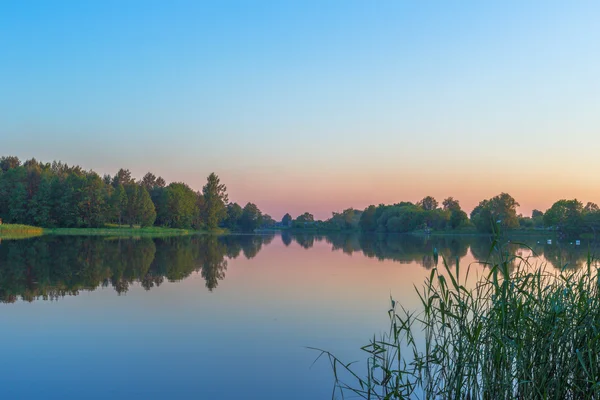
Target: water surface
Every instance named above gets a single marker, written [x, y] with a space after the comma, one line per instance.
[208, 317]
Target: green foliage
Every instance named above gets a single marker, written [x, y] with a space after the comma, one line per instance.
[40, 206]
[181, 207]
[251, 218]
[501, 210]
[9, 162]
[525, 222]
[146, 213]
[450, 204]
[347, 219]
[267, 221]
[118, 203]
[428, 203]
[304, 220]
[368, 219]
[286, 220]
[234, 213]
[458, 219]
[566, 216]
[215, 200]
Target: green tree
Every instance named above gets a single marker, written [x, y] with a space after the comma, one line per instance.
[450, 204]
[181, 205]
[149, 181]
[40, 205]
[591, 207]
[501, 209]
[305, 218]
[92, 208]
[9, 162]
[251, 218]
[428, 203]
[17, 204]
[286, 220]
[234, 213]
[368, 219]
[215, 197]
[566, 216]
[267, 221]
[146, 213]
[458, 217]
[118, 203]
[131, 210]
[537, 214]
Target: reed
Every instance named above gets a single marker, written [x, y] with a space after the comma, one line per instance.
[518, 331]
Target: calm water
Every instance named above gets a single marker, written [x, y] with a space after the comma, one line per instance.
[207, 317]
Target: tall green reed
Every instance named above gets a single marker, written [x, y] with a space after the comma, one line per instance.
[516, 331]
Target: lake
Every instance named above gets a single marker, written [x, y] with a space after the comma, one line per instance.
[209, 317]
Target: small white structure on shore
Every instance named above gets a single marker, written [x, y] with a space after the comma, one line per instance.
[577, 242]
[549, 241]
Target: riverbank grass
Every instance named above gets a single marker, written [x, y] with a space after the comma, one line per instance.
[15, 231]
[519, 331]
[126, 231]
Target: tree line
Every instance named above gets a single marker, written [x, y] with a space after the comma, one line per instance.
[567, 217]
[56, 195]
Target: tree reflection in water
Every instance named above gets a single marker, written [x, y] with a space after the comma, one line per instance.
[50, 267]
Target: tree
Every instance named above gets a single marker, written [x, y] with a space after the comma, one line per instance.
[40, 206]
[306, 217]
[181, 205]
[215, 197]
[17, 204]
[591, 207]
[458, 218]
[286, 220]
[251, 218]
[146, 213]
[198, 222]
[267, 221]
[501, 209]
[428, 203]
[160, 182]
[123, 177]
[451, 204]
[92, 201]
[118, 203]
[149, 181]
[537, 214]
[9, 162]
[566, 216]
[234, 213]
[368, 219]
[131, 210]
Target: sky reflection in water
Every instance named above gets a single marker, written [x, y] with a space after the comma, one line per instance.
[208, 317]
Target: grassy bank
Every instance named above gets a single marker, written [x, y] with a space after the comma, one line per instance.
[14, 231]
[519, 331]
[145, 232]
[116, 230]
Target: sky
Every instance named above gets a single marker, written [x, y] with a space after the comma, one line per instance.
[312, 105]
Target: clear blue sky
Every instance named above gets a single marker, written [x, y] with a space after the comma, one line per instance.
[312, 106]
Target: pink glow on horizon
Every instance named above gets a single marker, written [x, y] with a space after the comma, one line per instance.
[322, 196]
